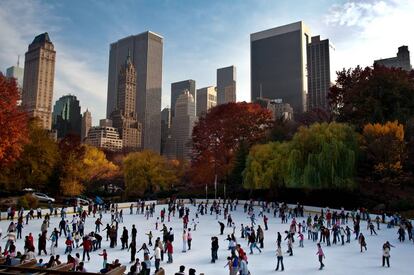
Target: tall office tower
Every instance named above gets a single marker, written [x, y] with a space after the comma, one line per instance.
[66, 117]
[402, 60]
[16, 72]
[182, 126]
[278, 64]
[86, 124]
[124, 117]
[146, 55]
[226, 85]
[39, 76]
[177, 88]
[165, 128]
[206, 99]
[319, 73]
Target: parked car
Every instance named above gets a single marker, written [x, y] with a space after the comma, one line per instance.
[42, 197]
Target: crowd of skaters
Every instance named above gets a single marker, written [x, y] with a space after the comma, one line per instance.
[320, 228]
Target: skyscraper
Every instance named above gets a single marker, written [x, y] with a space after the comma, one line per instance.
[67, 116]
[206, 99]
[319, 73]
[146, 50]
[226, 85]
[182, 126]
[86, 124]
[402, 60]
[278, 64]
[177, 88]
[165, 128]
[16, 72]
[39, 76]
[124, 117]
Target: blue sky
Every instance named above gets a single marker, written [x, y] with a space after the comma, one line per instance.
[199, 36]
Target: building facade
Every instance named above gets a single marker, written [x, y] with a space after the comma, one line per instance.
[124, 117]
[86, 124]
[278, 60]
[177, 88]
[104, 136]
[146, 50]
[39, 76]
[182, 127]
[165, 128]
[206, 99]
[402, 60]
[66, 117]
[226, 85]
[319, 73]
[280, 110]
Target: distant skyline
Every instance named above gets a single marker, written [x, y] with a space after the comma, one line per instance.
[199, 36]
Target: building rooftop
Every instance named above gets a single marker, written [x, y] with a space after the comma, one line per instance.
[42, 38]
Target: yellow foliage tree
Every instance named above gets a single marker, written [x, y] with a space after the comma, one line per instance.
[96, 165]
[384, 147]
[147, 172]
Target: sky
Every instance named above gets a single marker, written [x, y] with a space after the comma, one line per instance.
[199, 36]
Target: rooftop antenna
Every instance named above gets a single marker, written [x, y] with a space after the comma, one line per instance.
[18, 60]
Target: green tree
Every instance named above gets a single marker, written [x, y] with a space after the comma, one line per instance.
[266, 166]
[147, 172]
[37, 162]
[322, 156]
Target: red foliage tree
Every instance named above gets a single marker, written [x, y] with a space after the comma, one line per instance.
[13, 123]
[218, 135]
[372, 95]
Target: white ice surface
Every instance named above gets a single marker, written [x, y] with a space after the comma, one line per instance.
[339, 259]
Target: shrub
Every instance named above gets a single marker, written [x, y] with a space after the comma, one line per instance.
[27, 201]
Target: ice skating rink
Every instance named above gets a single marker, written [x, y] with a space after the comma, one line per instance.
[339, 260]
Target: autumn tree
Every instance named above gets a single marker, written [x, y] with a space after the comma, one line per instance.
[372, 95]
[71, 167]
[217, 137]
[383, 146]
[38, 160]
[13, 123]
[147, 172]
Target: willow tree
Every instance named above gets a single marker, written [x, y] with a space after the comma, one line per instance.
[323, 156]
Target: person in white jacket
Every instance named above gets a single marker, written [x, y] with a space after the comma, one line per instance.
[157, 257]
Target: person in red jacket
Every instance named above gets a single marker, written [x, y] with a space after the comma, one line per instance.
[69, 244]
[169, 252]
[241, 252]
[87, 245]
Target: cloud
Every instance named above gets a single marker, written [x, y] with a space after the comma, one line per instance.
[364, 31]
[73, 72]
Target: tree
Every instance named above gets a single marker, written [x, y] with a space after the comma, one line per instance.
[218, 135]
[383, 145]
[312, 116]
[373, 95]
[96, 166]
[322, 156]
[37, 163]
[71, 168]
[13, 123]
[147, 172]
[266, 166]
